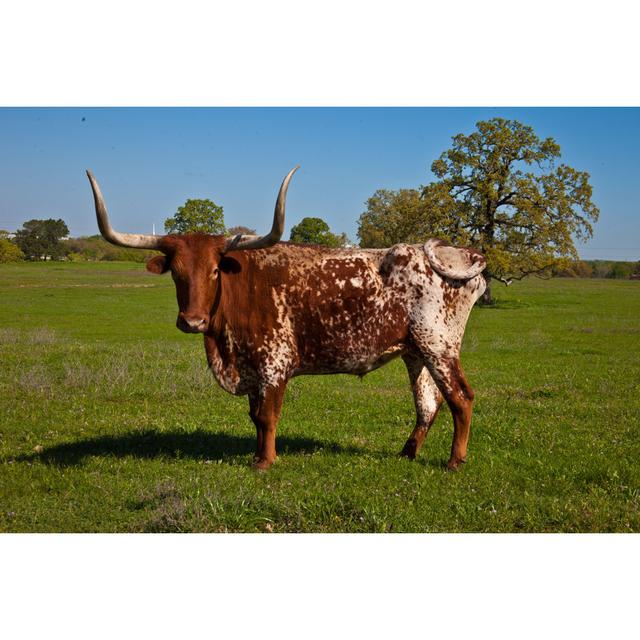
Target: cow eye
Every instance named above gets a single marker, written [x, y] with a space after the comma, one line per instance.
[215, 272]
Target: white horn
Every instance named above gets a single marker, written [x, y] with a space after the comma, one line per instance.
[262, 242]
[135, 240]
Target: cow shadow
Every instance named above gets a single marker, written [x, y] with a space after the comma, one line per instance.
[195, 445]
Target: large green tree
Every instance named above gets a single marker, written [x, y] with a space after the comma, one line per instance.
[40, 239]
[197, 216]
[316, 231]
[500, 190]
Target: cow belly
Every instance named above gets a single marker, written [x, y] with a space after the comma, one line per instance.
[357, 348]
[351, 335]
[385, 357]
[350, 364]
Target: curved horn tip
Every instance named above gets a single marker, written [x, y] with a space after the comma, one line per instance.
[289, 175]
[92, 180]
[292, 171]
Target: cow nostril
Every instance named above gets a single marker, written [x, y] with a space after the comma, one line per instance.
[197, 323]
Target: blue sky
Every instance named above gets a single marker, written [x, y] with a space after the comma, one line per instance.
[150, 160]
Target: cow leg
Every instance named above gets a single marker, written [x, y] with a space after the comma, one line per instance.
[264, 409]
[427, 399]
[256, 455]
[453, 385]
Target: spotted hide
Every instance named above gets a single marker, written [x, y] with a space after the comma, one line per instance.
[269, 314]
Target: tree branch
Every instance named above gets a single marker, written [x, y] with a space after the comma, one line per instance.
[506, 199]
[455, 195]
[506, 281]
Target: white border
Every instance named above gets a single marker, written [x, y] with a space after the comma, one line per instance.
[312, 586]
[338, 52]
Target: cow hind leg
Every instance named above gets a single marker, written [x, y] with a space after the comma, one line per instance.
[453, 385]
[427, 399]
[265, 405]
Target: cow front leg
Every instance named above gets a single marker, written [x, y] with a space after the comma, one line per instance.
[427, 400]
[453, 385]
[264, 408]
[256, 455]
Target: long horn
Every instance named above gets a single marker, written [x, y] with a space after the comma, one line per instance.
[261, 242]
[136, 240]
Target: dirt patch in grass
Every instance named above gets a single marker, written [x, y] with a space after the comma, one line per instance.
[9, 336]
[43, 335]
[164, 509]
[36, 380]
[39, 335]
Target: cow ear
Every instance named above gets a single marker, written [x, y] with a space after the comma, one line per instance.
[157, 264]
[229, 265]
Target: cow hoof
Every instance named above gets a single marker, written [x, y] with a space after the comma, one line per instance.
[261, 465]
[408, 453]
[409, 450]
[454, 463]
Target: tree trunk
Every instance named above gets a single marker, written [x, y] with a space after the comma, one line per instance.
[487, 241]
[486, 298]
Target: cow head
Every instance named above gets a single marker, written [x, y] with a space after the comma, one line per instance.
[194, 260]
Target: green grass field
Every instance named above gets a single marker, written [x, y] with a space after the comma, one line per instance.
[109, 420]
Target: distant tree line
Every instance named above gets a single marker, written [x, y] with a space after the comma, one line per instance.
[47, 239]
[95, 248]
[615, 269]
[485, 196]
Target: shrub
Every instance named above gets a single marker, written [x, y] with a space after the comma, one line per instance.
[9, 251]
[95, 248]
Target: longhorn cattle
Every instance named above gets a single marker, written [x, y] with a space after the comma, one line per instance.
[270, 311]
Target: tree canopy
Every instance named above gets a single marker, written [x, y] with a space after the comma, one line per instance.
[197, 216]
[499, 190]
[40, 239]
[316, 231]
[397, 216]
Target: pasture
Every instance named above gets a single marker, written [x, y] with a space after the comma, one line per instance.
[110, 421]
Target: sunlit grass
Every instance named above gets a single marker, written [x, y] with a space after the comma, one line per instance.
[111, 422]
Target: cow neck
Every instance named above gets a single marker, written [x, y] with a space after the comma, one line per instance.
[221, 346]
[217, 322]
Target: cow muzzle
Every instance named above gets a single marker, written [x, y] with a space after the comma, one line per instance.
[192, 323]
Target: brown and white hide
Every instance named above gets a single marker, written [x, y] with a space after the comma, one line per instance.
[293, 309]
